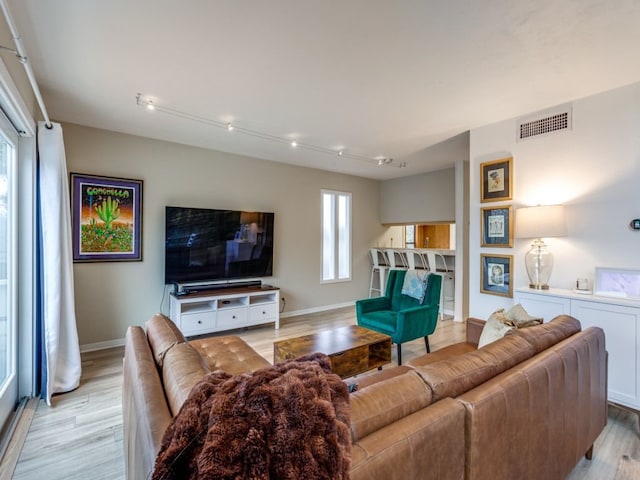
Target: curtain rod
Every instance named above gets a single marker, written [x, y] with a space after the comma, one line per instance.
[22, 57]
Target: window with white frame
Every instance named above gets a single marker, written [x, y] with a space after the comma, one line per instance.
[336, 236]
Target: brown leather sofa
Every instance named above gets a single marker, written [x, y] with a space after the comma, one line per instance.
[526, 406]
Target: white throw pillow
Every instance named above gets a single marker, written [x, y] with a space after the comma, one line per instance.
[497, 325]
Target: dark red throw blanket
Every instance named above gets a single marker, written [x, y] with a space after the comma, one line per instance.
[286, 422]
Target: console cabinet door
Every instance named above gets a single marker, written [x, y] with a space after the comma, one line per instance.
[546, 306]
[620, 325]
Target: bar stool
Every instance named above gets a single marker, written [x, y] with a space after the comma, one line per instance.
[379, 268]
[438, 265]
[416, 260]
[396, 259]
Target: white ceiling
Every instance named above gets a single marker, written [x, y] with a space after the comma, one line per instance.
[377, 78]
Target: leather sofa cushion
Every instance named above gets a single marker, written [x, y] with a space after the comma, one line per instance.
[451, 351]
[183, 368]
[428, 444]
[454, 376]
[474, 330]
[229, 353]
[385, 402]
[379, 376]
[162, 334]
[541, 337]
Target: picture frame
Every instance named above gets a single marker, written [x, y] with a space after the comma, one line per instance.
[617, 283]
[496, 180]
[496, 274]
[106, 217]
[497, 226]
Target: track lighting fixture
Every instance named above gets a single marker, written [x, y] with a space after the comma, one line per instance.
[147, 102]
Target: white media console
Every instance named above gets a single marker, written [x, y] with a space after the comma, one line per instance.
[217, 310]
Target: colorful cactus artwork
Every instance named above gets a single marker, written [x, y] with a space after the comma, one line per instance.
[108, 211]
[107, 218]
[102, 232]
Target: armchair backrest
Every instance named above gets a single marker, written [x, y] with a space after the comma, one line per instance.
[400, 301]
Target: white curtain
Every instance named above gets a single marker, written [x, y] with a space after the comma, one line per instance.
[61, 347]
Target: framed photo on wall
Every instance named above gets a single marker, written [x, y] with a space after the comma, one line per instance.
[496, 180]
[496, 274]
[106, 218]
[497, 226]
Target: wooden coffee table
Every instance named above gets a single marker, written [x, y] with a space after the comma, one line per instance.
[352, 349]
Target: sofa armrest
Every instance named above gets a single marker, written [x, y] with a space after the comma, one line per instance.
[474, 330]
[145, 411]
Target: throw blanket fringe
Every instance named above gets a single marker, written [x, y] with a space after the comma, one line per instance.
[290, 421]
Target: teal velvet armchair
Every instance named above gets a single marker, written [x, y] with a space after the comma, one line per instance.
[400, 316]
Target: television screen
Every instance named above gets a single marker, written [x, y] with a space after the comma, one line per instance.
[215, 245]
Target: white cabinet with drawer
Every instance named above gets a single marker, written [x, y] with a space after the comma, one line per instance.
[262, 313]
[620, 320]
[229, 318]
[225, 309]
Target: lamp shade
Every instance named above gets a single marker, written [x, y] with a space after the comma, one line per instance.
[541, 221]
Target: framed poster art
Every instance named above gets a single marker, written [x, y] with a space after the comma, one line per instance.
[106, 218]
[497, 226]
[496, 179]
[496, 274]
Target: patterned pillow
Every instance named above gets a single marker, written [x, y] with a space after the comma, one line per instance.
[495, 328]
[500, 322]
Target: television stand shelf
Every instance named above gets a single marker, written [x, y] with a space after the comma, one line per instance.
[211, 311]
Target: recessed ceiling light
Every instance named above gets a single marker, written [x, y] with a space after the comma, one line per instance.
[294, 143]
[229, 127]
[150, 105]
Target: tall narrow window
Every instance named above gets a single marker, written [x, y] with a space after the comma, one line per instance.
[336, 236]
[8, 317]
[410, 236]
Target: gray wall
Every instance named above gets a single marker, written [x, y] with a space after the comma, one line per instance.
[111, 296]
[429, 197]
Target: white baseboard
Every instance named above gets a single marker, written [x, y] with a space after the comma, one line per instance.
[323, 308]
[92, 347]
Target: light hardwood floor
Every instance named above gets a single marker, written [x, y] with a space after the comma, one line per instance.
[80, 435]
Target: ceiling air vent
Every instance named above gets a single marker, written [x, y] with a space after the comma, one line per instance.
[542, 123]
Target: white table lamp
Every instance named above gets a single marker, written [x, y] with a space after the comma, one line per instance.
[539, 222]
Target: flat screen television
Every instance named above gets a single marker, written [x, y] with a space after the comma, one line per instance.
[206, 245]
